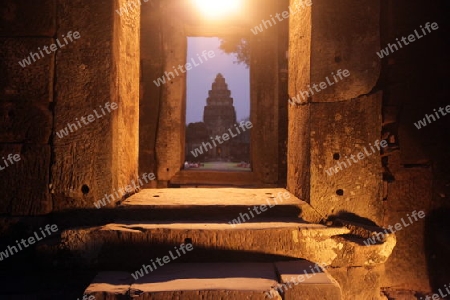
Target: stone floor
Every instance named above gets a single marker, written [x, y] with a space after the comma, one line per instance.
[228, 262]
[206, 196]
[220, 281]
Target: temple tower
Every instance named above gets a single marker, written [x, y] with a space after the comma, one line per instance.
[219, 115]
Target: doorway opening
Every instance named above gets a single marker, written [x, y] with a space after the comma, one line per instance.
[164, 119]
[218, 126]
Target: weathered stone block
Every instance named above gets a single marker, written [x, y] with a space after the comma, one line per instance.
[306, 280]
[109, 245]
[25, 123]
[84, 74]
[299, 48]
[27, 18]
[100, 68]
[299, 144]
[356, 187]
[346, 35]
[207, 281]
[171, 119]
[27, 180]
[34, 81]
[355, 250]
[412, 190]
[264, 148]
[359, 282]
[126, 61]
[110, 286]
[189, 281]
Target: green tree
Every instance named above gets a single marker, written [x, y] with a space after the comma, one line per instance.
[239, 46]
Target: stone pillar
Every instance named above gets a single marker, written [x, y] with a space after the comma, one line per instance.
[264, 74]
[170, 134]
[152, 59]
[333, 70]
[96, 71]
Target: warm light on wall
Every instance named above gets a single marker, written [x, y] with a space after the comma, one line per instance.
[217, 8]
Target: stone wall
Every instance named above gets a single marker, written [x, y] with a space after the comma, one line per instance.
[83, 62]
[416, 170]
[333, 72]
[26, 105]
[381, 99]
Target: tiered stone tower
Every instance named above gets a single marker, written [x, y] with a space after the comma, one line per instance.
[219, 115]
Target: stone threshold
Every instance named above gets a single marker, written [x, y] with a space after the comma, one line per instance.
[299, 279]
[224, 201]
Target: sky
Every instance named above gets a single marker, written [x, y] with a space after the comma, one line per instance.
[200, 79]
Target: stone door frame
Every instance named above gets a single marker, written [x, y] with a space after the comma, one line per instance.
[171, 98]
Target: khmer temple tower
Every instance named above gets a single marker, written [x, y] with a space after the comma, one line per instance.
[219, 115]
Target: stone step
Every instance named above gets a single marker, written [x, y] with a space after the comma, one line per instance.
[120, 246]
[194, 204]
[258, 281]
[220, 203]
[306, 280]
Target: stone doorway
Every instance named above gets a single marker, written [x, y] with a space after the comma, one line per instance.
[218, 126]
[163, 108]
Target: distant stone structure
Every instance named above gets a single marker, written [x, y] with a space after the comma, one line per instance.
[219, 115]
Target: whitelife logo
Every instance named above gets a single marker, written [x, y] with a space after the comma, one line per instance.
[161, 262]
[11, 158]
[183, 69]
[339, 76]
[199, 151]
[53, 47]
[380, 236]
[123, 191]
[441, 294]
[282, 288]
[280, 16]
[49, 229]
[391, 48]
[431, 118]
[356, 158]
[244, 217]
[87, 120]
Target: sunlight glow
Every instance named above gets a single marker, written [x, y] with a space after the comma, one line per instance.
[217, 8]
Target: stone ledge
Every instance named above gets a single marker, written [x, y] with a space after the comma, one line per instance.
[131, 244]
[215, 281]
